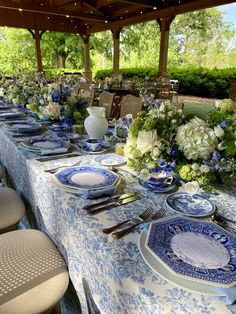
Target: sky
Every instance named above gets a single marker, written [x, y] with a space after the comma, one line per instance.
[230, 12]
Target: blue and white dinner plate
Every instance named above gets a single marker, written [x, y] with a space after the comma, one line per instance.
[22, 126]
[68, 136]
[192, 205]
[45, 143]
[157, 188]
[193, 249]
[158, 267]
[86, 178]
[110, 160]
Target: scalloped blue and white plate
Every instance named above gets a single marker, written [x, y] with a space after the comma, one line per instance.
[110, 160]
[192, 205]
[193, 249]
[22, 126]
[86, 177]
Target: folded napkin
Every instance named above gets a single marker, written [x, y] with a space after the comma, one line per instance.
[228, 296]
[54, 151]
[99, 192]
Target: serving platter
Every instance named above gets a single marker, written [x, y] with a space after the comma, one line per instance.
[195, 250]
[192, 205]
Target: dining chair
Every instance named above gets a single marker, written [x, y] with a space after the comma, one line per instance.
[33, 274]
[106, 100]
[174, 90]
[12, 209]
[130, 104]
[163, 92]
[91, 305]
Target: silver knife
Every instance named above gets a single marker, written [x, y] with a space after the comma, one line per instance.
[114, 204]
[58, 156]
[113, 198]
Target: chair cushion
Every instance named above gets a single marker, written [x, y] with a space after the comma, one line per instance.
[12, 208]
[33, 275]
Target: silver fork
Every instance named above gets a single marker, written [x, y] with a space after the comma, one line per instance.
[142, 216]
[120, 234]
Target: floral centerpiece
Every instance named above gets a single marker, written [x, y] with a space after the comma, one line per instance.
[161, 139]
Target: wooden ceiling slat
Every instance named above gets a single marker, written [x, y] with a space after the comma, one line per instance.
[90, 16]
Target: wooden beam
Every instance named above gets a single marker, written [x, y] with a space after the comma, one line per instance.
[34, 8]
[13, 18]
[91, 6]
[146, 3]
[155, 14]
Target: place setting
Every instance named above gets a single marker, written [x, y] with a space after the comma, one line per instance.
[88, 181]
[22, 126]
[45, 146]
[10, 114]
[193, 254]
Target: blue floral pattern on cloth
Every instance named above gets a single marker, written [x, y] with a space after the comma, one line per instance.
[120, 281]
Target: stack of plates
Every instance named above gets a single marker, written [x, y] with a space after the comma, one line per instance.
[22, 126]
[196, 255]
[46, 146]
[10, 115]
[87, 180]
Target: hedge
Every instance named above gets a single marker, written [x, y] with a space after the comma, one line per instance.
[199, 82]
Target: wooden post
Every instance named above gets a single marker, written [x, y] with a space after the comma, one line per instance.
[87, 69]
[116, 55]
[37, 35]
[164, 24]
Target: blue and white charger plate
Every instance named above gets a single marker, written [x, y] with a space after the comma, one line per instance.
[86, 178]
[110, 160]
[157, 188]
[192, 205]
[195, 250]
[45, 143]
[158, 268]
[22, 126]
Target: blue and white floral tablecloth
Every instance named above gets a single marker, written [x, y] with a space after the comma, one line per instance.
[119, 279]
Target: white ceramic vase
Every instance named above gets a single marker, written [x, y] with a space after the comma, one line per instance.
[96, 124]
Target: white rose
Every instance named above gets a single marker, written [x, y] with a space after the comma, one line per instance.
[191, 187]
[144, 174]
[162, 108]
[146, 141]
[156, 152]
[204, 168]
[195, 166]
[219, 132]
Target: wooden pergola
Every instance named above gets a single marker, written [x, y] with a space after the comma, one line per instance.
[86, 17]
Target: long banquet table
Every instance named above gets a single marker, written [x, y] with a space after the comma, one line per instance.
[119, 278]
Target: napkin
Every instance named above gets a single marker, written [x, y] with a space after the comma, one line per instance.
[99, 192]
[54, 151]
[228, 296]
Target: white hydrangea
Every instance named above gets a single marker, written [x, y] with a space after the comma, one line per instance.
[53, 110]
[196, 139]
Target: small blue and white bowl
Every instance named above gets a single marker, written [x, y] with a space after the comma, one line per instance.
[94, 145]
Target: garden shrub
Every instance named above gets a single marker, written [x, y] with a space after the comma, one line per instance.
[200, 82]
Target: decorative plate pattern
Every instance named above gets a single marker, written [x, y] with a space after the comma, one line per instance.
[194, 249]
[86, 177]
[68, 136]
[10, 115]
[192, 205]
[45, 143]
[157, 188]
[110, 160]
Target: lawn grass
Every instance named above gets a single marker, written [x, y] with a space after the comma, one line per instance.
[200, 110]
